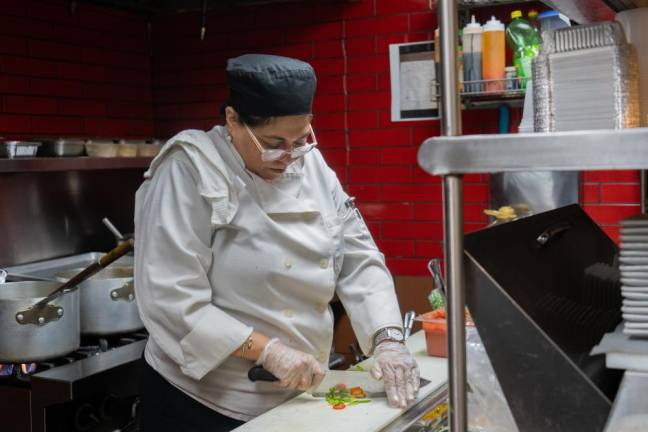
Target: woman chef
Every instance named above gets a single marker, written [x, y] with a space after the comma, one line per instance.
[243, 236]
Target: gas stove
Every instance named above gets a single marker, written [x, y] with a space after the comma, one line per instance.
[94, 388]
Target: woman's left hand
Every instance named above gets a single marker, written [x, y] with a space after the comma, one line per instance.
[399, 371]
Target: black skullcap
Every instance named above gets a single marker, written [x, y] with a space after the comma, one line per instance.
[270, 86]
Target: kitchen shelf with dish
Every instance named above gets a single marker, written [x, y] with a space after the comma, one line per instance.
[69, 154]
[82, 163]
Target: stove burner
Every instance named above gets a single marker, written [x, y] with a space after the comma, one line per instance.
[90, 346]
[6, 370]
[19, 371]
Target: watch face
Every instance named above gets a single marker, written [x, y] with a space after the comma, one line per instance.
[395, 334]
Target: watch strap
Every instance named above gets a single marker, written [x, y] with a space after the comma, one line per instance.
[383, 335]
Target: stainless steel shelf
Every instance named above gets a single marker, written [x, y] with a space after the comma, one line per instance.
[580, 11]
[463, 4]
[556, 151]
[72, 164]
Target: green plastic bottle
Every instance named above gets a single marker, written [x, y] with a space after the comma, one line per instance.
[523, 39]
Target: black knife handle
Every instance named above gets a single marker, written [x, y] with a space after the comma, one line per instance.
[257, 373]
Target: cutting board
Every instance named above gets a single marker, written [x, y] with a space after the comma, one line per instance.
[306, 413]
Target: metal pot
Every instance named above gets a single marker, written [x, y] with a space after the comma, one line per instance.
[107, 301]
[56, 334]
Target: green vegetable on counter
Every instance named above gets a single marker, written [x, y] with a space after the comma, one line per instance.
[436, 299]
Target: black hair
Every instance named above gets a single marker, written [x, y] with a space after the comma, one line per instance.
[245, 118]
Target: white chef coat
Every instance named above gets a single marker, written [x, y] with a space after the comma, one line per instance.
[219, 252]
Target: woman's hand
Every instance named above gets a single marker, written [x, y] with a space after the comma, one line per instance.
[399, 371]
[294, 369]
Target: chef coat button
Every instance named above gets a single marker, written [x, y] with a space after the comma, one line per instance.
[288, 313]
[323, 356]
[324, 263]
[288, 263]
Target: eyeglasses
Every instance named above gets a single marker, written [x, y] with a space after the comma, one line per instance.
[298, 149]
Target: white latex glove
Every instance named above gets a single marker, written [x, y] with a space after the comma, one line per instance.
[294, 369]
[399, 371]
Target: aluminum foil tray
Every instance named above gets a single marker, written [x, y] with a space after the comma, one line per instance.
[50, 268]
[586, 77]
[18, 149]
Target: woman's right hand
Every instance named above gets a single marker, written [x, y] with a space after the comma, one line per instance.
[294, 369]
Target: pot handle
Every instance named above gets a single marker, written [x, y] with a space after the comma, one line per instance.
[125, 292]
[42, 312]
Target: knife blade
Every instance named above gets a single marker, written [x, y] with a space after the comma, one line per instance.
[372, 388]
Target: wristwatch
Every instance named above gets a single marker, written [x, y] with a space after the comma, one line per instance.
[388, 333]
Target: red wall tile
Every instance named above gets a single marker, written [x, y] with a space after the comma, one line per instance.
[397, 248]
[383, 211]
[591, 193]
[373, 26]
[412, 230]
[610, 214]
[429, 249]
[380, 137]
[408, 266]
[384, 7]
[364, 157]
[620, 193]
[380, 174]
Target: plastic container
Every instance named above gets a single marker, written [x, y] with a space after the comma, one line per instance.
[553, 19]
[436, 329]
[126, 150]
[523, 40]
[148, 150]
[527, 123]
[494, 56]
[101, 148]
[472, 40]
[533, 19]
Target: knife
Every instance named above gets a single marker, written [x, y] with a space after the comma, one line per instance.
[372, 388]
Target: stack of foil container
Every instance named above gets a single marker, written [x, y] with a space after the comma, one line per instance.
[586, 77]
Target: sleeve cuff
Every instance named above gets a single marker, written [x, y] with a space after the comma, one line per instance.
[214, 338]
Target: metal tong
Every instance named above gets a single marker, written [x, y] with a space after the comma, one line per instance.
[435, 270]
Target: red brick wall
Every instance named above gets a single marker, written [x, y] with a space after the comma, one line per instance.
[85, 73]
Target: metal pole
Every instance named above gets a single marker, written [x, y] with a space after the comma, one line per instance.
[642, 184]
[453, 220]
